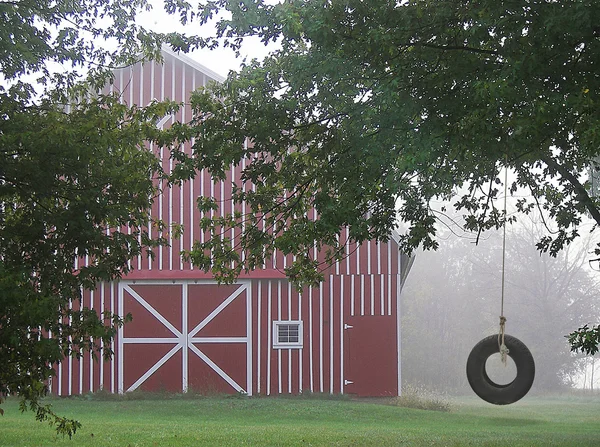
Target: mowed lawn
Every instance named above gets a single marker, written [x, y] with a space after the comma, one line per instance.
[236, 421]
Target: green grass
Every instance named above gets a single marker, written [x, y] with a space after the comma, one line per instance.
[223, 421]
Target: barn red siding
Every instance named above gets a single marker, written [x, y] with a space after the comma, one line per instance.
[351, 339]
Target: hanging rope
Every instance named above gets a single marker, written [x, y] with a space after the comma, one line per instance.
[501, 345]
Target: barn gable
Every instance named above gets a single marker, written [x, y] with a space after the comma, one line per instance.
[258, 336]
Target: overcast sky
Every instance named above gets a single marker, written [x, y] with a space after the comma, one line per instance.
[221, 60]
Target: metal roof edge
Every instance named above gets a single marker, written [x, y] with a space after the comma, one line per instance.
[407, 260]
[194, 64]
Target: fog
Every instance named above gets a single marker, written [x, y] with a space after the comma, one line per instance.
[452, 299]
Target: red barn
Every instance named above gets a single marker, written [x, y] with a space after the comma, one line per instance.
[258, 336]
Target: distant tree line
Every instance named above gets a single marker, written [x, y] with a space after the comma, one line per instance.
[452, 300]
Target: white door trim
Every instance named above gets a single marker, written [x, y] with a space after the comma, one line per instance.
[185, 340]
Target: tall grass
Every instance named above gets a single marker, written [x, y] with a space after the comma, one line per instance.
[421, 398]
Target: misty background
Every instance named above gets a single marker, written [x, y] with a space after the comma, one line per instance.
[452, 299]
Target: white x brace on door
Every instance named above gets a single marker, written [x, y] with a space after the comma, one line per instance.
[163, 330]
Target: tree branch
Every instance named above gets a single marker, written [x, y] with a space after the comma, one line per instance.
[456, 47]
[582, 193]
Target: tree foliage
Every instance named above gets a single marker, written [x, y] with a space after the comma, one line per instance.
[76, 182]
[370, 111]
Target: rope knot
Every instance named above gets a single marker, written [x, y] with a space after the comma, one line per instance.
[503, 349]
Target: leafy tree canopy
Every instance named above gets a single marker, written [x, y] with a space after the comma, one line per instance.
[369, 111]
[75, 181]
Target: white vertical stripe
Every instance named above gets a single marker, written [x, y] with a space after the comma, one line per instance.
[269, 329]
[101, 355]
[222, 206]
[60, 377]
[378, 257]
[120, 332]
[279, 350]
[149, 259]
[372, 280]
[212, 195]
[80, 362]
[141, 103]
[131, 102]
[162, 82]
[231, 211]
[258, 333]
[141, 97]
[181, 222]
[121, 86]
[289, 293]
[301, 350]
[243, 186]
[347, 249]
[352, 277]
[149, 225]
[398, 325]
[362, 294]
[369, 257]
[130, 86]
[382, 293]
[321, 337]
[160, 209]
[161, 196]
[184, 93]
[182, 187]
[50, 379]
[152, 93]
[91, 357]
[191, 181]
[170, 216]
[249, 343]
[331, 323]
[289, 370]
[337, 262]
[70, 362]
[310, 339]
[173, 82]
[389, 276]
[357, 259]
[112, 343]
[202, 194]
[184, 330]
[342, 300]
[264, 225]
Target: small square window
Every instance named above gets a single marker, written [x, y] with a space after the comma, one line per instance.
[287, 334]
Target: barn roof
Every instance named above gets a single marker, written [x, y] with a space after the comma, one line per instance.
[193, 63]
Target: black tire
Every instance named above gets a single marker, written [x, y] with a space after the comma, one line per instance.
[492, 392]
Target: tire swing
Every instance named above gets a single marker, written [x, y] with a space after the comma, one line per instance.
[487, 389]
[506, 345]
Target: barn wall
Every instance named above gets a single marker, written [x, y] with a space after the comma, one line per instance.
[320, 366]
[351, 321]
[88, 374]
